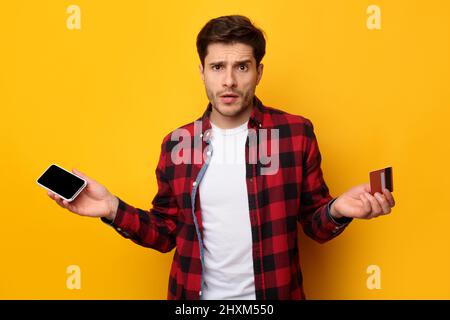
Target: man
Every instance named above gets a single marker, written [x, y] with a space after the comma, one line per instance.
[234, 223]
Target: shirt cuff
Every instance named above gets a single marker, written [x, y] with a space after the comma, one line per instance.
[337, 221]
[118, 219]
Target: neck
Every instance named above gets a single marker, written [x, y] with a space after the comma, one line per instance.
[225, 122]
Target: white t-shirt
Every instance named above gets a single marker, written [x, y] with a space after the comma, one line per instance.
[227, 238]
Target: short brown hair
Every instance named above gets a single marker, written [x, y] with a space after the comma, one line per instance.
[231, 29]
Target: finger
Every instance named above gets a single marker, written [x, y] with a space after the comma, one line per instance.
[383, 203]
[366, 204]
[389, 197]
[81, 174]
[367, 187]
[376, 208]
[67, 205]
[60, 202]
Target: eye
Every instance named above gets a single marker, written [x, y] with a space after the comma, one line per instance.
[216, 67]
[243, 67]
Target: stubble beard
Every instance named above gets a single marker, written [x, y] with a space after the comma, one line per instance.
[231, 110]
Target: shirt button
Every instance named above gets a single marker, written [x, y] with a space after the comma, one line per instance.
[194, 183]
[118, 229]
[200, 293]
[208, 153]
[201, 135]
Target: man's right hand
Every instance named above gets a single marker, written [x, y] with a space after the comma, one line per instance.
[94, 201]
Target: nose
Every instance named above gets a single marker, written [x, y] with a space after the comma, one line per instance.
[229, 79]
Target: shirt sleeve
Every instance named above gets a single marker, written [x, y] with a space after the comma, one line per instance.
[155, 228]
[315, 199]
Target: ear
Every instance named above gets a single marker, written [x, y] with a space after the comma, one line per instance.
[200, 68]
[259, 73]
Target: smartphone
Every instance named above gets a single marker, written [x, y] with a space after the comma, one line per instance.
[61, 182]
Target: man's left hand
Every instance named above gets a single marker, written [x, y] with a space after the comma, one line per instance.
[359, 203]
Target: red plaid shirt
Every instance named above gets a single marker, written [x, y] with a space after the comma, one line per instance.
[297, 192]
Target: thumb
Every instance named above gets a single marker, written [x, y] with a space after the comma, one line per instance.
[81, 174]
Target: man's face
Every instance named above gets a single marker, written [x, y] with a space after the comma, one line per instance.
[230, 76]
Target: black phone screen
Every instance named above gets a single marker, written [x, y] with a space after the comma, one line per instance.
[60, 181]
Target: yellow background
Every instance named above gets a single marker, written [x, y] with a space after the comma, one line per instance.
[100, 99]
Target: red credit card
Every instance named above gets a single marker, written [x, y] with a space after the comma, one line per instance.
[380, 179]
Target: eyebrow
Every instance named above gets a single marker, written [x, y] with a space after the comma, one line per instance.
[236, 63]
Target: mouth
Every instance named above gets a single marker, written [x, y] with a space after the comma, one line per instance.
[228, 97]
